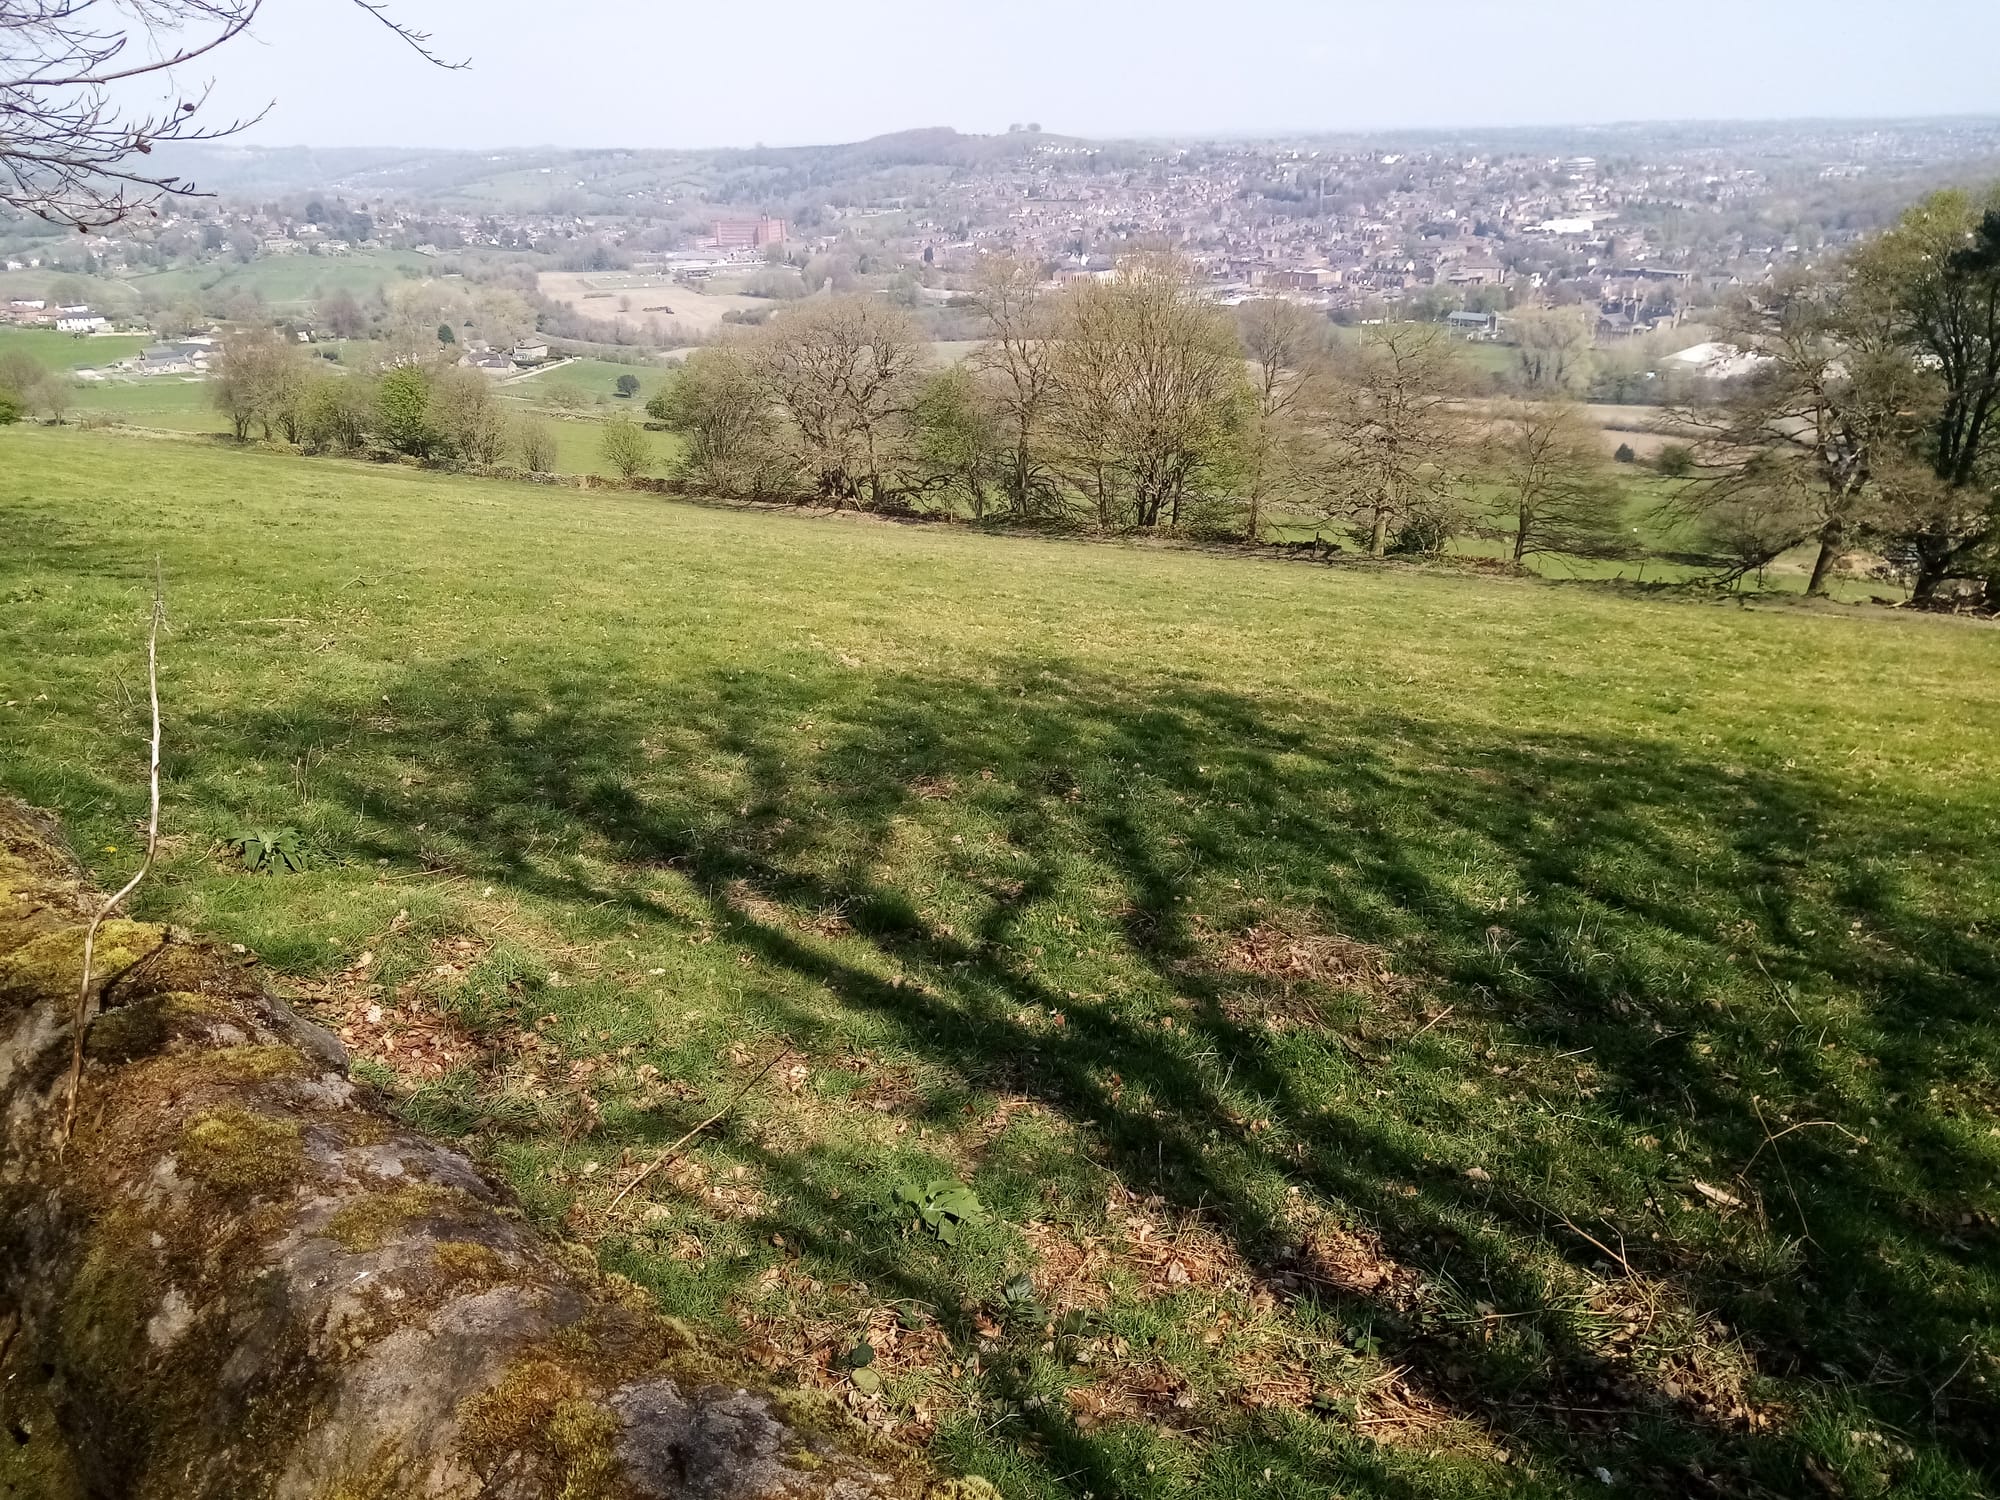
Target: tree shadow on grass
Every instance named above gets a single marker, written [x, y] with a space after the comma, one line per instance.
[1670, 965]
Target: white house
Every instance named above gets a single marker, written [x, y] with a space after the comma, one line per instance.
[82, 323]
[1717, 361]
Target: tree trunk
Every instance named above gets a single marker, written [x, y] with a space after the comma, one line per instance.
[1378, 538]
[240, 1277]
[1931, 565]
[1830, 548]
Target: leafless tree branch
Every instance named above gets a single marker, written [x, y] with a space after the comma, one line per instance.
[70, 153]
[81, 1021]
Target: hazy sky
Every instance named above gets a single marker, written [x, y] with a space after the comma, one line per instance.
[657, 73]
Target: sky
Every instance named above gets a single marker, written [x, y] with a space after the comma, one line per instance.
[642, 73]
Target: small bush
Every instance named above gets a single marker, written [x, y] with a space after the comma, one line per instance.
[536, 444]
[1676, 461]
[1625, 455]
[624, 447]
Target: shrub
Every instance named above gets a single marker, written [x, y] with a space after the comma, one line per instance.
[624, 447]
[628, 385]
[466, 416]
[1676, 461]
[536, 444]
[403, 411]
[336, 410]
[10, 409]
[1625, 455]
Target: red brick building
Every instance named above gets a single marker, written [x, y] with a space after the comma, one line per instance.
[748, 234]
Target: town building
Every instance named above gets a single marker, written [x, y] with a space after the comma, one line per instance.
[748, 234]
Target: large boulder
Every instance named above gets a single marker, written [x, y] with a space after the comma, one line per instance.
[240, 1277]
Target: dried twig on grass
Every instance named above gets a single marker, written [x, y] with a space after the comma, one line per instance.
[674, 1150]
[81, 1021]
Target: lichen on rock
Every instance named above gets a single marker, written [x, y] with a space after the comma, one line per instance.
[242, 1278]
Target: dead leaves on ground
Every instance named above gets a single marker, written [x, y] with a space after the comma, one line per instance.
[1275, 973]
[407, 1031]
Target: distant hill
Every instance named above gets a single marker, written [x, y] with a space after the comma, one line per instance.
[608, 180]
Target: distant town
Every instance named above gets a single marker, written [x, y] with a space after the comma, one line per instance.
[1644, 229]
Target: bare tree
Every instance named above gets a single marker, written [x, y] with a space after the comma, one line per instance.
[536, 443]
[260, 380]
[1391, 437]
[22, 377]
[1148, 392]
[1554, 483]
[468, 416]
[1017, 358]
[1286, 345]
[844, 371]
[724, 414]
[70, 153]
[56, 396]
[1553, 347]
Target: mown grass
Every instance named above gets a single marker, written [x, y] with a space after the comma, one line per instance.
[69, 351]
[1410, 1035]
[286, 282]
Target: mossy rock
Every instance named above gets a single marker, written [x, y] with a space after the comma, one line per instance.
[236, 1276]
[237, 1151]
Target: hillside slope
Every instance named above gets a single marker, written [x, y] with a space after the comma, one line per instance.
[1402, 1034]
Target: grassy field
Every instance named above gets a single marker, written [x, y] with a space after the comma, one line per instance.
[187, 405]
[285, 282]
[1408, 1035]
[173, 402]
[288, 283]
[594, 380]
[66, 351]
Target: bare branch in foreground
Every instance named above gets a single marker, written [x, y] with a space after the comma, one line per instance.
[69, 151]
[81, 1022]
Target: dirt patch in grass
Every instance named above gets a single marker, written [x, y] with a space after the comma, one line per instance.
[1150, 1392]
[1145, 1244]
[1293, 954]
[1331, 1257]
[1279, 973]
[408, 1032]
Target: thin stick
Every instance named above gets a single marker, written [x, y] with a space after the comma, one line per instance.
[1779, 1156]
[1432, 1022]
[1771, 1137]
[672, 1151]
[81, 1021]
[1578, 1229]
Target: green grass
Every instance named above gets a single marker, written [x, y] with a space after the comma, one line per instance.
[596, 379]
[580, 446]
[65, 351]
[1419, 1036]
[286, 282]
[169, 401]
